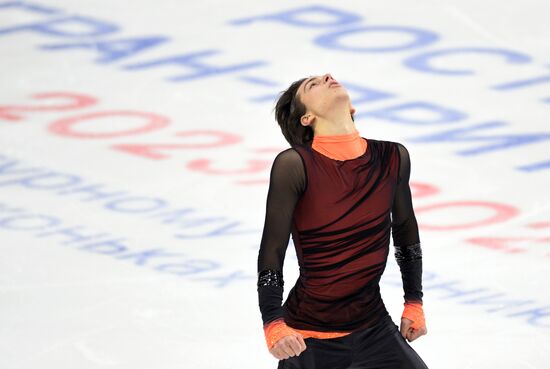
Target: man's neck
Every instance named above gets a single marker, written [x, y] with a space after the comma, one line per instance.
[330, 128]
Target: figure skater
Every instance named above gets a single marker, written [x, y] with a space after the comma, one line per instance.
[338, 194]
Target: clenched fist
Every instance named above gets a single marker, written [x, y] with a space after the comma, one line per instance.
[288, 346]
[413, 323]
[409, 332]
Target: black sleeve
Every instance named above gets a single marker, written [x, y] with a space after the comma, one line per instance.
[286, 185]
[406, 239]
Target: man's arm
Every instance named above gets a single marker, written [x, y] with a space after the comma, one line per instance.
[406, 239]
[286, 185]
[408, 253]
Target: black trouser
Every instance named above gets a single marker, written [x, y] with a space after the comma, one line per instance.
[378, 347]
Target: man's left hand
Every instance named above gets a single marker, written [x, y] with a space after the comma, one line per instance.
[409, 332]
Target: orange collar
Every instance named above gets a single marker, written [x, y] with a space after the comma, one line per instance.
[340, 147]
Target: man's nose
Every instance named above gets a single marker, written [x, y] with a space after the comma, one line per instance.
[327, 77]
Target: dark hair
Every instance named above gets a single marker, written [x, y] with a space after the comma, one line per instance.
[288, 111]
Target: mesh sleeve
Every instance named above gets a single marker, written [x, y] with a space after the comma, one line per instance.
[286, 185]
[406, 239]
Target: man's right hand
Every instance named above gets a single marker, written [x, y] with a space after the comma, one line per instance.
[288, 346]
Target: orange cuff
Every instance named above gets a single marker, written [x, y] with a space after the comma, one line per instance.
[275, 330]
[414, 312]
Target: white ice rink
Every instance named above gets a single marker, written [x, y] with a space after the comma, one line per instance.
[136, 140]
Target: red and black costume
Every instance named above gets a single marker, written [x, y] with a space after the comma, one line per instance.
[340, 214]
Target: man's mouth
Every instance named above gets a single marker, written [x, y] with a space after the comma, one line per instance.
[334, 84]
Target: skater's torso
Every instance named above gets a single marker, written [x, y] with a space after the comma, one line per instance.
[341, 232]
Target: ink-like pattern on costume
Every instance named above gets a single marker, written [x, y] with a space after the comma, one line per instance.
[340, 214]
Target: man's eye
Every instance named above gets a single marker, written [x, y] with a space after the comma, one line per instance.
[313, 84]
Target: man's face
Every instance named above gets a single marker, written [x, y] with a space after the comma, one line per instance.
[321, 93]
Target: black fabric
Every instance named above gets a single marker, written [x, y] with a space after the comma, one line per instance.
[270, 286]
[379, 346]
[286, 185]
[289, 181]
[406, 239]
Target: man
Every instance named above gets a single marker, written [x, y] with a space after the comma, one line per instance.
[339, 195]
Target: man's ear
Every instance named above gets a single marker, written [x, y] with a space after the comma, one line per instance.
[306, 119]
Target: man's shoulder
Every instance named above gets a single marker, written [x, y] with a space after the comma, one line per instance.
[290, 156]
[382, 143]
[389, 143]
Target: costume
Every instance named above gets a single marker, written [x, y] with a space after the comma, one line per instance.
[340, 213]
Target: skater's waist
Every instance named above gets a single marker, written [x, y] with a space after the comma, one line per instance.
[321, 335]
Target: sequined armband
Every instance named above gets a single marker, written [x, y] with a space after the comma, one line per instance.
[408, 253]
[270, 277]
